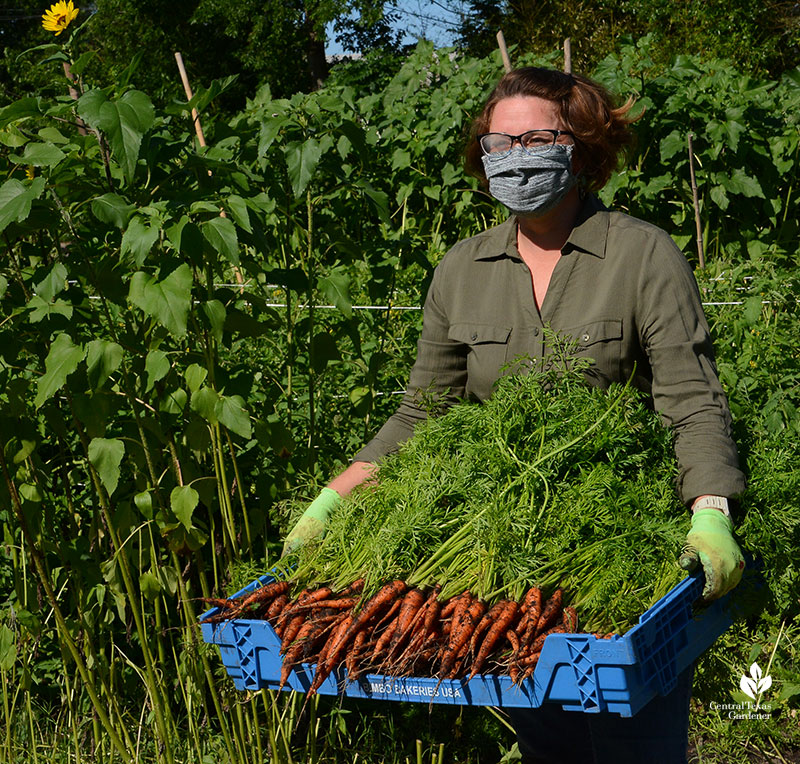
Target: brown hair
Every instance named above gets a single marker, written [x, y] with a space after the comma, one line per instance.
[601, 129]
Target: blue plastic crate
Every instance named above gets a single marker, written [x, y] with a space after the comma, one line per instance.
[578, 671]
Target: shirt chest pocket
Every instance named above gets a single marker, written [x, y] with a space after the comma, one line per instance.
[487, 351]
[600, 341]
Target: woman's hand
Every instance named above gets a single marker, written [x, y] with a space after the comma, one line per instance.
[710, 542]
[313, 523]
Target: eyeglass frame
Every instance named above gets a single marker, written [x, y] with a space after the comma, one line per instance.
[518, 139]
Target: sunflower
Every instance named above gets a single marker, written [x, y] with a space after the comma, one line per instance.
[59, 16]
[30, 172]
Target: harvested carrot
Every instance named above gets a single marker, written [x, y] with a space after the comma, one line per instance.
[425, 620]
[351, 663]
[539, 641]
[484, 624]
[464, 623]
[276, 606]
[316, 640]
[263, 594]
[342, 603]
[355, 588]
[386, 600]
[374, 608]
[390, 614]
[551, 612]
[324, 666]
[531, 667]
[342, 623]
[384, 640]
[513, 639]
[532, 609]
[220, 602]
[433, 608]
[532, 601]
[412, 602]
[382, 600]
[449, 607]
[295, 651]
[292, 630]
[287, 611]
[531, 659]
[218, 618]
[318, 595]
[504, 621]
[463, 601]
[306, 597]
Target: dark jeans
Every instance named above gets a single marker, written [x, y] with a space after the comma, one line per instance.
[658, 734]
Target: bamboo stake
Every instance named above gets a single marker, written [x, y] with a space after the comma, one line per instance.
[188, 90]
[700, 253]
[201, 139]
[568, 55]
[501, 42]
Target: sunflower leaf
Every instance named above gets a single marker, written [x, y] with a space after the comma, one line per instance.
[123, 122]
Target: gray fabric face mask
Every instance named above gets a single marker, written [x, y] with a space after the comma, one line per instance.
[531, 183]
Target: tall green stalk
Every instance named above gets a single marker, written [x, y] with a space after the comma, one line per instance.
[61, 624]
[160, 706]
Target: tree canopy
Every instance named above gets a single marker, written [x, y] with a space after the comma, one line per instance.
[283, 43]
[763, 38]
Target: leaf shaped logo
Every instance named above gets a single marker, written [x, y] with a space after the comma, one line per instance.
[748, 686]
[756, 683]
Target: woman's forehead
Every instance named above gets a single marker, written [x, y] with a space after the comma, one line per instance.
[519, 113]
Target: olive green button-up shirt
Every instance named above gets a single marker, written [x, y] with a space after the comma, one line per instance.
[627, 297]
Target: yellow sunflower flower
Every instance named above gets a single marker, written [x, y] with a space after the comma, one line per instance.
[59, 16]
[30, 173]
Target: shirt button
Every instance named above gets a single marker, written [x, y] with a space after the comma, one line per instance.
[474, 336]
[535, 331]
[585, 338]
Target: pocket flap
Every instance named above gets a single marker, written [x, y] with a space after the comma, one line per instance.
[476, 334]
[597, 331]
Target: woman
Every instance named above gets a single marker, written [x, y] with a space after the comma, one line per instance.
[620, 288]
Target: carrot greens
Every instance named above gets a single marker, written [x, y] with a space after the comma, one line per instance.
[551, 482]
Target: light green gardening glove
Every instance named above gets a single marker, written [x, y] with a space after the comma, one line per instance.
[711, 543]
[313, 522]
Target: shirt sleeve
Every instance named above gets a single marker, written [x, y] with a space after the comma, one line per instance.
[437, 380]
[686, 389]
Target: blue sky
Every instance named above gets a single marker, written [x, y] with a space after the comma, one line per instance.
[418, 19]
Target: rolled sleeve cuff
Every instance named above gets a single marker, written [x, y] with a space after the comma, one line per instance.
[710, 478]
[388, 439]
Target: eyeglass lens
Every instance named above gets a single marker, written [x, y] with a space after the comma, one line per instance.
[498, 143]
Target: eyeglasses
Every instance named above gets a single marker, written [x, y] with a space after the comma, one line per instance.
[500, 144]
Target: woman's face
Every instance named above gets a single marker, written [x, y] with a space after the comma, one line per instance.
[518, 114]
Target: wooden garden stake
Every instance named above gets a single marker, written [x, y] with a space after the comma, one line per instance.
[700, 254]
[188, 90]
[201, 139]
[501, 42]
[568, 55]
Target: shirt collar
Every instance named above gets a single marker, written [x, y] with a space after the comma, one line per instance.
[589, 234]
